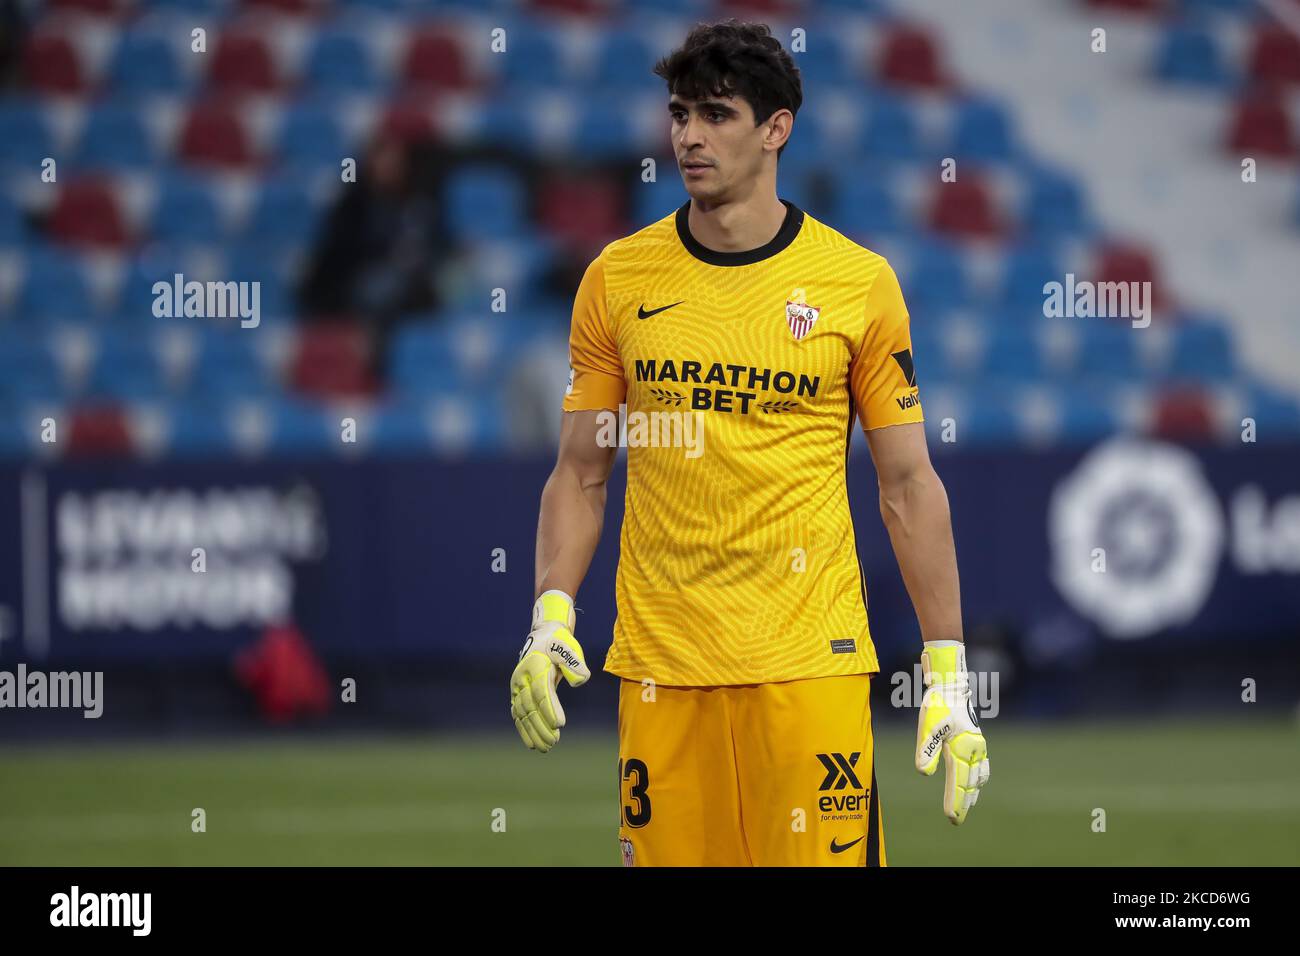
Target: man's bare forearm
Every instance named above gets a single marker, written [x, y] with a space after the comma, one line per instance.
[916, 514]
[568, 530]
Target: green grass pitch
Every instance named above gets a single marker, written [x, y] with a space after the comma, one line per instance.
[1174, 793]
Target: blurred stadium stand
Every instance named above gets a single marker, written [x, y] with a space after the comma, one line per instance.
[225, 165]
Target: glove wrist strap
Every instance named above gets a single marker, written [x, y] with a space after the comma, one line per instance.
[554, 605]
[943, 662]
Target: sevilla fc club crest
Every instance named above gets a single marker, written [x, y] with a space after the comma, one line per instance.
[629, 855]
[799, 315]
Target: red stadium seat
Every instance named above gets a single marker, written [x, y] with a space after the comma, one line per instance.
[99, 432]
[243, 63]
[964, 208]
[408, 121]
[1275, 55]
[86, 213]
[435, 60]
[582, 212]
[214, 135]
[910, 57]
[584, 8]
[295, 7]
[1183, 415]
[51, 65]
[333, 359]
[1260, 124]
[1129, 263]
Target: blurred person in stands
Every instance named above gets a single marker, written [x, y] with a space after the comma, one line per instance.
[374, 259]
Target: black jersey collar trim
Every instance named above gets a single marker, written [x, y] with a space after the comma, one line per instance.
[784, 236]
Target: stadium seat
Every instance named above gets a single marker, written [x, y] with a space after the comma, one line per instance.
[227, 367]
[99, 431]
[1012, 356]
[935, 279]
[506, 120]
[340, 62]
[1261, 125]
[51, 65]
[145, 62]
[126, 369]
[964, 208]
[865, 204]
[891, 131]
[243, 62]
[435, 61]
[1107, 351]
[485, 203]
[28, 372]
[214, 136]
[311, 137]
[115, 138]
[422, 360]
[54, 287]
[13, 228]
[1202, 351]
[1129, 263]
[1276, 413]
[534, 59]
[199, 429]
[25, 138]
[1027, 268]
[86, 214]
[331, 360]
[1275, 55]
[910, 57]
[982, 132]
[1085, 416]
[625, 63]
[283, 213]
[1053, 206]
[186, 211]
[582, 211]
[1189, 55]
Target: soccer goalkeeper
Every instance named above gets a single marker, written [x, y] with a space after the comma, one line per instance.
[741, 641]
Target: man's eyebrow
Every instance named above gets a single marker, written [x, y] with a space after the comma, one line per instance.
[704, 105]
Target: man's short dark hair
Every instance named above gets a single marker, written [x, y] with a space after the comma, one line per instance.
[735, 59]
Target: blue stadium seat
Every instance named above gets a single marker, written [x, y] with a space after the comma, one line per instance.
[1107, 351]
[485, 203]
[15, 442]
[199, 429]
[145, 62]
[891, 130]
[1013, 356]
[135, 298]
[422, 360]
[25, 138]
[935, 280]
[186, 211]
[227, 367]
[625, 62]
[283, 212]
[824, 64]
[126, 368]
[508, 120]
[400, 427]
[1276, 413]
[1027, 269]
[1189, 55]
[28, 372]
[534, 56]
[1202, 351]
[311, 137]
[982, 132]
[605, 131]
[253, 262]
[340, 62]
[55, 287]
[865, 204]
[301, 428]
[115, 137]
[1053, 205]
[1086, 416]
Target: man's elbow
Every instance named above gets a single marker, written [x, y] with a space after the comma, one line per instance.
[903, 492]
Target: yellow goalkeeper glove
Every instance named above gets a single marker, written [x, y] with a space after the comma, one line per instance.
[549, 651]
[948, 728]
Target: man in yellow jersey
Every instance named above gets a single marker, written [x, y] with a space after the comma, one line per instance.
[741, 639]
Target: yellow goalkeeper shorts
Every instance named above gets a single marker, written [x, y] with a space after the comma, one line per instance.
[756, 775]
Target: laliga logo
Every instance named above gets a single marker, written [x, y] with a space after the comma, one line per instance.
[1161, 528]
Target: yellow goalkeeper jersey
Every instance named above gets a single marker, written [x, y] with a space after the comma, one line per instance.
[733, 379]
